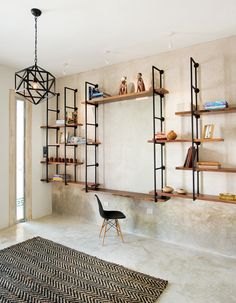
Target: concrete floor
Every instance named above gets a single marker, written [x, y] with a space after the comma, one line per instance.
[194, 276]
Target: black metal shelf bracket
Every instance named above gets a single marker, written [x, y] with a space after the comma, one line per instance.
[161, 118]
[194, 68]
[56, 111]
[75, 108]
[95, 125]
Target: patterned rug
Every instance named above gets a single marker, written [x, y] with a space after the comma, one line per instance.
[39, 270]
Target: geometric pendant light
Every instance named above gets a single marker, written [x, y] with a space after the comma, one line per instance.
[35, 83]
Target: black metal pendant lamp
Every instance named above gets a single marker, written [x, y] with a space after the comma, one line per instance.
[35, 83]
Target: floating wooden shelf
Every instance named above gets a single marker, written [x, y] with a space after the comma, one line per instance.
[159, 91]
[61, 163]
[70, 182]
[201, 197]
[208, 112]
[188, 140]
[60, 126]
[127, 194]
[219, 170]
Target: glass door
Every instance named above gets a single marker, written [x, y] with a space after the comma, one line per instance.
[20, 160]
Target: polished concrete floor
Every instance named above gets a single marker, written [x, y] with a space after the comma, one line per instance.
[194, 276]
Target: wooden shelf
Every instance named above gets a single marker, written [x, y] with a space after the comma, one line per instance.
[60, 126]
[188, 140]
[127, 194]
[219, 170]
[227, 110]
[62, 163]
[70, 182]
[125, 97]
[200, 197]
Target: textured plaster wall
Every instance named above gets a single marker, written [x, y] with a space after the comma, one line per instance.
[6, 82]
[126, 158]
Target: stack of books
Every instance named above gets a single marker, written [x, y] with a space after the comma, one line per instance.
[160, 136]
[215, 105]
[208, 165]
[61, 177]
[190, 157]
[227, 196]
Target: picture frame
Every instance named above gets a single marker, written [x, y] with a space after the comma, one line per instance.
[208, 131]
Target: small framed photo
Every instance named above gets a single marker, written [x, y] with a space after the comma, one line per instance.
[208, 131]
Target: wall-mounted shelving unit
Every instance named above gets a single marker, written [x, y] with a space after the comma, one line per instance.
[61, 167]
[195, 141]
[161, 91]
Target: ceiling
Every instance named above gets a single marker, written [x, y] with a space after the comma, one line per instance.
[79, 35]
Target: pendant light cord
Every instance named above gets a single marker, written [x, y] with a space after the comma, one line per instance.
[36, 41]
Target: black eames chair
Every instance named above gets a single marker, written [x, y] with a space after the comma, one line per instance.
[110, 219]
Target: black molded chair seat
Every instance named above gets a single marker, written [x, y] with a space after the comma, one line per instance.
[113, 214]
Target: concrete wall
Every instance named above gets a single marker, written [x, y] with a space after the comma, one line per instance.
[126, 158]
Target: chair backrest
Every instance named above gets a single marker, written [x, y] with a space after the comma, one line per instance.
[101, 210]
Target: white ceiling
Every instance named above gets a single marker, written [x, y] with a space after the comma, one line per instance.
[78, 35]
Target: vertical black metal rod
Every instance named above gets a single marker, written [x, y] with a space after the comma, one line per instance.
[47, 140]
[75, 134]
[154, 132]
[65, 166]
[161, 116]
[197, 118]
[86, 137]
[192, 124]
[57, 131]
[96, 147]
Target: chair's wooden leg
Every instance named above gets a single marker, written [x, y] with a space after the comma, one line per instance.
[105, 231]
[118, 224]
[103, 224]
[117, 228]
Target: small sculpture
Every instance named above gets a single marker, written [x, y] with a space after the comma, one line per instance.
[140, 83]
[167, 189]
[123, 86]
[181, 191]
[171, 135]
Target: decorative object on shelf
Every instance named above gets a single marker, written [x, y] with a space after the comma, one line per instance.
[62, 137]
[35, 83]
[123, 86]
[51, 159]
[71, 160]
[45, 152]
[171, 135]
[208, 165]
[214, 105]
[181, 191]
[140, 83]
[208, 131]
[160, 136]
[59, 159]
[95, 93]
[60, 122]
[71, 117]
[167, 189]
[190, 157]
[227, 196]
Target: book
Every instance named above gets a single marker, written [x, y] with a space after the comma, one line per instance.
[190, 157]
[208, 163]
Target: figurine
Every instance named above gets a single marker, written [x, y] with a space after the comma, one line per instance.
[140, 83]
[123, 86]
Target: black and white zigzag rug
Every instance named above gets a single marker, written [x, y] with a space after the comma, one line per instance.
[39, 270]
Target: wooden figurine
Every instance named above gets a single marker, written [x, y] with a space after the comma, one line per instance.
[123, 86]
[140, 83]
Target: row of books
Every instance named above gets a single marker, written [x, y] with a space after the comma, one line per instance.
[190, 160]
[215, 105]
